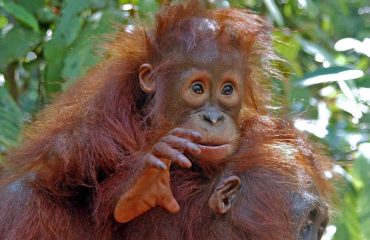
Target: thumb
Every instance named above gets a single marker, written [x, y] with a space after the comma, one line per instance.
[169, 203]
[127, 210]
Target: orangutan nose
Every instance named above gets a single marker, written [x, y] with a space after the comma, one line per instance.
[213, 117]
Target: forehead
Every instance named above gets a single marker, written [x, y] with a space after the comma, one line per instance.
[211, 54]
[209, 58]
[199, 42]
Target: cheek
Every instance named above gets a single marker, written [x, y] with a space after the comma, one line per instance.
[231, 103]
[169, 102]
[233, 110]
[174, 112]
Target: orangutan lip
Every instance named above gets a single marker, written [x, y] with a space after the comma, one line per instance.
[212, 145]
[215, 152]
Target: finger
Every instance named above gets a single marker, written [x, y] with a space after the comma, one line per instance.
[187, 133]
[181, 144]
[152, 160]
[163, 150]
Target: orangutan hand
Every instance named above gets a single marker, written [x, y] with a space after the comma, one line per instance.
[152, 188]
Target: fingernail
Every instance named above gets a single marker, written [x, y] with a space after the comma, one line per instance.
[195, 149]
[162, 165]
[185, 161]
[198, 135]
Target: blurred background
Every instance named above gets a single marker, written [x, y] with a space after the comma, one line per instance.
[45, 45]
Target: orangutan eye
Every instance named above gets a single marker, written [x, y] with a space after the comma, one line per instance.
[197, 88]
[228, 89]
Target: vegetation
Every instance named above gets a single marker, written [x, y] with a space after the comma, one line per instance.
[45, 45]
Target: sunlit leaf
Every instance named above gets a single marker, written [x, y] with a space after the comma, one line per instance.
[274, 11]
[332, 74]
[286, 45]
[221, 3]
[315, 50]
[3, 21]
[135, 2]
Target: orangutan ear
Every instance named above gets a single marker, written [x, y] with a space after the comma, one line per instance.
[147, 82]
[223, 195]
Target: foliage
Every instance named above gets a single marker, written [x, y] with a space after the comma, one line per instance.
[46, 44]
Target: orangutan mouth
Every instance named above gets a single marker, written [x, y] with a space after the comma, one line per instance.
[214, 152]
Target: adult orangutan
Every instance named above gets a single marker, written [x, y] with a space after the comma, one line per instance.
[183, 100]
[267, 190]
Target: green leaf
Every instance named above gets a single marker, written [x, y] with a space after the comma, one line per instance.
[274, 11]
[364, 210]
[98, 4]
[361, 170]
[67, 30]
[46, 15]
[54, 53]
[11, 120]
[3, 21]
[21, 14]
[16, 44]
[83, 53]
[347, 220]
[32, 6]
[286, 45]
[77, 61]
[134, 2]
[147, 6]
